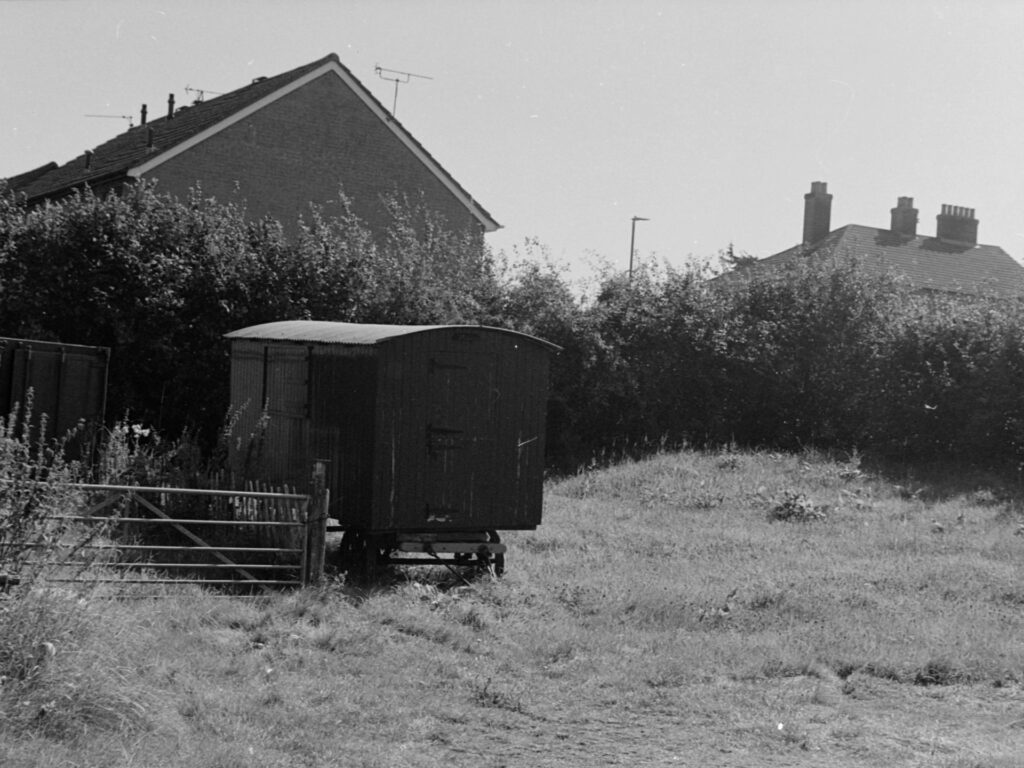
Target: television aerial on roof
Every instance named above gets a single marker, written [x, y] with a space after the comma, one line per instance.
[201, 93]
[398, 78]
[131, 123]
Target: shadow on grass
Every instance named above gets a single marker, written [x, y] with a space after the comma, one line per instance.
[942, 480]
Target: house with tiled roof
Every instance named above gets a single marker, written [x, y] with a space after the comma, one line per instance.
[950, 261]
[275, 145]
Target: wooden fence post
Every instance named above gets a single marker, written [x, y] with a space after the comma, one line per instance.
[316, 524]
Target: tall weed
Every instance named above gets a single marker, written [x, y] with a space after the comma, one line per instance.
[34, 494]
[60, 675]
[47, 683]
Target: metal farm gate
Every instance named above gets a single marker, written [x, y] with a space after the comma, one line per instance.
[276, 539]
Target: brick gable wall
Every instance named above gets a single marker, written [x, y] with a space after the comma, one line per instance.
[300, 149]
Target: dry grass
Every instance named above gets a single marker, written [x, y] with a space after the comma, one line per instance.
[666, 613]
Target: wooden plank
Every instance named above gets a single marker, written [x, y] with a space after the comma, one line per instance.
[316, 526]
[444, 536]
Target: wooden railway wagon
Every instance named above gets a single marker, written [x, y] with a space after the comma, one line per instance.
[68, 383]
[434, 435]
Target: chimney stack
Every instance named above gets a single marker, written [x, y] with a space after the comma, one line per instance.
[817, 212]
[170, 106]
[904, 217]
[957, 224]
[88, 159]
[142, 121]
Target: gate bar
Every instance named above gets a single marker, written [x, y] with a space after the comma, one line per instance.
[186, 521]
[171, 548]
[169, 566]
[189, 491]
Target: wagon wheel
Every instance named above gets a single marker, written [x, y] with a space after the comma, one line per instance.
[497, 560]
[376, 554]
[361, 555]
[463, 559]
[350, 554]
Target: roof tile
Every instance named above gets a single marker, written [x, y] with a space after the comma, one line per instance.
[114, 158]
[928, 263]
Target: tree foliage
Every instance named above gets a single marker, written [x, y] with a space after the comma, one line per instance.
[819, 352]
[161, 281]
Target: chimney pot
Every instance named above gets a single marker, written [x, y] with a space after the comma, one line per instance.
[904, 217]
[142, 120]
[957, 224]
[170, 106]
[88, 159]
[817, 212]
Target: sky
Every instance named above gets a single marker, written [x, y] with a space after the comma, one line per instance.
[566, 118]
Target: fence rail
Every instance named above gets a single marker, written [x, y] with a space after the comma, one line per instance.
[288, 552]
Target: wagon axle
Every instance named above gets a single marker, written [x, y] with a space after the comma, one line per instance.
[365, 554]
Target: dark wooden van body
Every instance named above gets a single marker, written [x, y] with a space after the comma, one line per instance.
[424, 428]
[68, 382]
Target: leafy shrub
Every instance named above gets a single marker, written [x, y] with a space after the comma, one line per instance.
[34, 478]
[795, 507]
[43, 684]
[160, 281]
[823, 352]
[950, 386]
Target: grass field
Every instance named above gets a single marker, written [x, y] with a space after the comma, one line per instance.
[704, 609]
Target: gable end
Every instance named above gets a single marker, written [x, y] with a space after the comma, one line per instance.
[331, 66]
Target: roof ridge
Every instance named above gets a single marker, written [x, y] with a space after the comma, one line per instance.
[121, 152]
[928, 262]
[139, 146]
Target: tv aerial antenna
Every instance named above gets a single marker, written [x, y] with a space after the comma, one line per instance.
[131, 123]
[398, 78]
[201, 93]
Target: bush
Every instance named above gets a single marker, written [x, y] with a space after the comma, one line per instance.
[34, 488]
[45, 683]
[161, 281]
[824, 352]
[806, 338]
[950, 385]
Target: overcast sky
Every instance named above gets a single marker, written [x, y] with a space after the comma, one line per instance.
[565, 119]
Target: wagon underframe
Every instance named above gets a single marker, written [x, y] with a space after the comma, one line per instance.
[363, 554]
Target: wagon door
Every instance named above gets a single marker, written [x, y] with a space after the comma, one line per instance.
[285, 394]
[460, 445]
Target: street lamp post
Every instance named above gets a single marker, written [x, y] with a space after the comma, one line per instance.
[632, 240]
